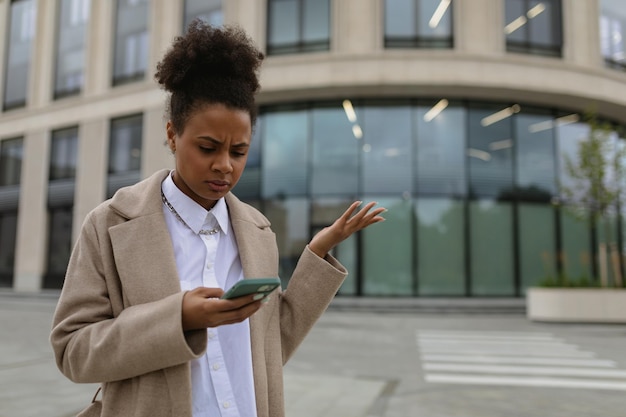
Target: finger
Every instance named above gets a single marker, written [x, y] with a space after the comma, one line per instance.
[357, 217]
[207, 292]
[348, 213]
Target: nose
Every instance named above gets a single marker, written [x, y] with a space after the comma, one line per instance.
[222, 163]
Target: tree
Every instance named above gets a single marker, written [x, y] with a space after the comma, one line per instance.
[597, 177]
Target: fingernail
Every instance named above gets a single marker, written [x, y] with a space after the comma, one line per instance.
[265, 300]
[258, 296]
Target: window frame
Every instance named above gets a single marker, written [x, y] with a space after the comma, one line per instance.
[418, 41]
[527, 46]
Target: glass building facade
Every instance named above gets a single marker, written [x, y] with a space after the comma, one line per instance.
[470, 186]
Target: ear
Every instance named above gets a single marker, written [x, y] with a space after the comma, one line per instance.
[171, 136]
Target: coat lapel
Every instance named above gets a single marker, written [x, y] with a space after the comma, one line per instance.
[142, 246]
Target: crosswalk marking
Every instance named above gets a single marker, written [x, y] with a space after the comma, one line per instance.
[600, 363]
[513, 359]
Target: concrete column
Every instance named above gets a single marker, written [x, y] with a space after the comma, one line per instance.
[91, 172]
[357, 26]
[155, 155]
[250, 15]
[581, 33]
[32, 224]
[99, 48]
[166, 21]
[479, 27]
[43, 55]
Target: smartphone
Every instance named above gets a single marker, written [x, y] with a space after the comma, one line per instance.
[260, 286]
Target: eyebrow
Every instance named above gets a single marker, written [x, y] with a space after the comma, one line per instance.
[217, 142]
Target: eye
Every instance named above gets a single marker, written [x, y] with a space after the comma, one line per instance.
[206, 150]
[237, 153]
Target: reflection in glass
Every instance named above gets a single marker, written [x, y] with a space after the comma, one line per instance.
[490, 153]
[386, 152]
[131, 41]
[335, 153]
[613, 33]
[387, 251]
[440, 164]
[568, 140]
[70, 48]
[440, 247]
[285, 154]
[491, 248]
[533, 26]
[249, 185]
[537, 256]
[535, 156]
[20, 36]
[418, 23]
[209, 11]
[125, 144]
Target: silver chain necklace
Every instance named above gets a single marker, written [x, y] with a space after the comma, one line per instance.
[175, 213]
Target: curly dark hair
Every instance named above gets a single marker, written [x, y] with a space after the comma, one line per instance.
[209, 65]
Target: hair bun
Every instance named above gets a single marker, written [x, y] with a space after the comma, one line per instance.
[207, 52]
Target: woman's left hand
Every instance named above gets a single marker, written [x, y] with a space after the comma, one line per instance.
[344, 226]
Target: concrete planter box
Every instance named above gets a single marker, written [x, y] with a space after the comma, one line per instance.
[582, 305]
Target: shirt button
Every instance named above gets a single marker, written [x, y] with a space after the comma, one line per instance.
[208, 266]
[216, 366]
[211, 334]
[226, 404]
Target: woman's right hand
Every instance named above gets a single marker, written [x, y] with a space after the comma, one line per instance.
[203, 308]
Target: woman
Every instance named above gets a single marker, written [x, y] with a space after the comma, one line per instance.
[140, 311]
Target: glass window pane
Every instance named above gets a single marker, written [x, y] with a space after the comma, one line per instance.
[59, 246]
[316, 22]
[441, 151]
[613, 32]
[490, 154]
[63, 154]
[440, 235]
[434, 18]
[249, 185]
[400, 18]
[535, 157]
[323, 213]
[568, 138]
[335, 158]
[70, 56]
[284, 22]
[285, 153]
[8, 235]
[386, 151]
[387, 251]
[576, 247]
[290, 222]
[537, 246]
[21, 32]
[533, 26]
[11, 156]
[209, 11]
[131, 40]
[491, 248]
[125, 145]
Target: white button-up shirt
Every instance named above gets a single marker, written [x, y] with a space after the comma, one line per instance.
[222, 380]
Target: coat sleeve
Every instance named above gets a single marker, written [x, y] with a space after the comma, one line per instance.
[94, 342]
[313, 285]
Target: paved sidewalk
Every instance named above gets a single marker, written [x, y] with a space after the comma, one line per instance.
[359, 363]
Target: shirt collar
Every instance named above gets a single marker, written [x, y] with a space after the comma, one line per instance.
[193, 213]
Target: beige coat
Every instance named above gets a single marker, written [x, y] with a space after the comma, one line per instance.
[118, 320]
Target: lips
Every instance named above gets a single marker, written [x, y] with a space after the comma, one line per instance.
[218, 185]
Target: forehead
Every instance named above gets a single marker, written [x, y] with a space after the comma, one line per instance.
[219, 122]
